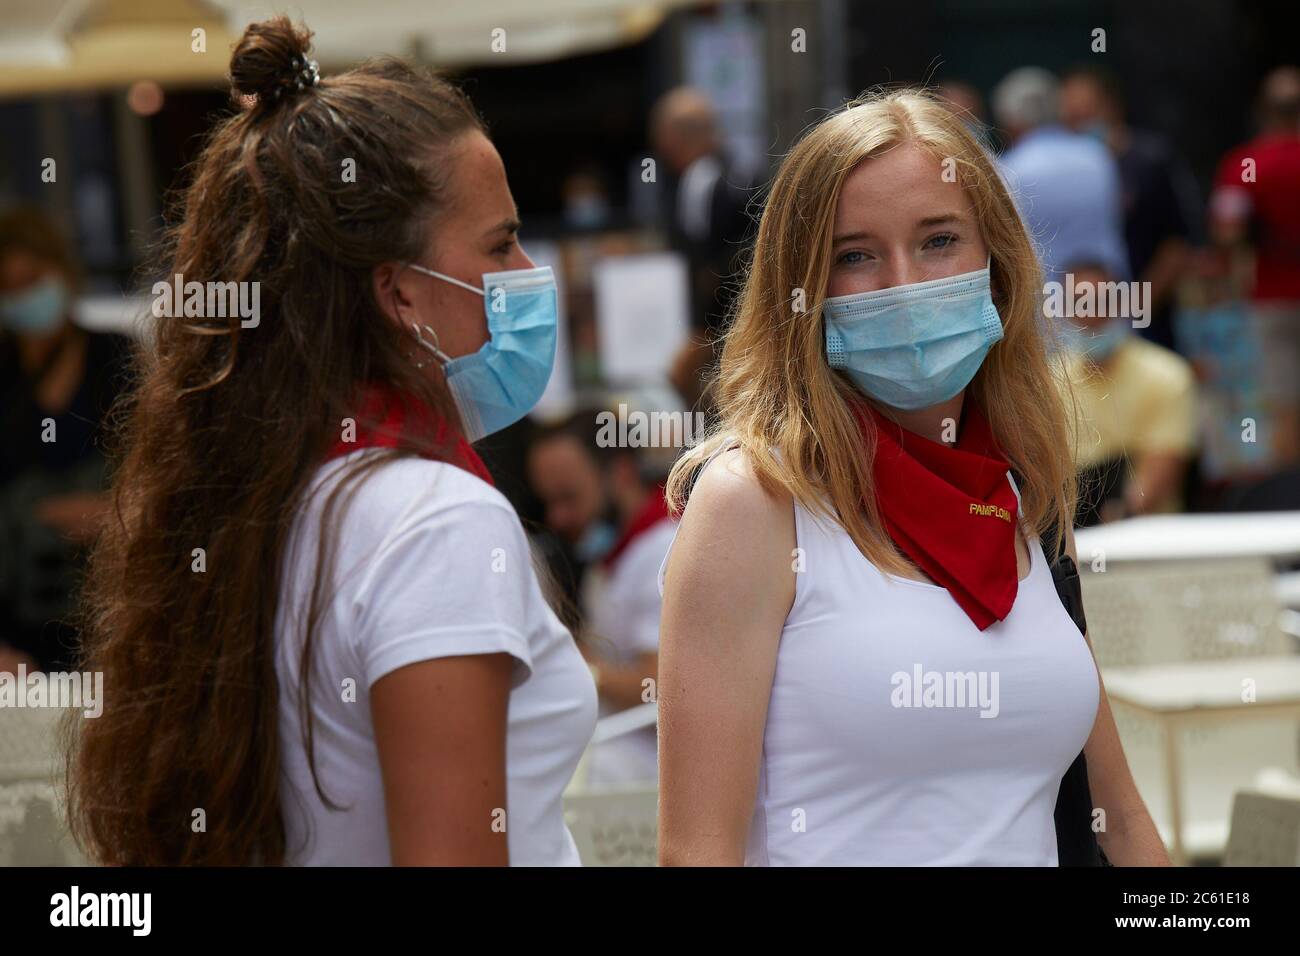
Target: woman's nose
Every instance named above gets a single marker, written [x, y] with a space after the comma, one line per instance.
[900, 270]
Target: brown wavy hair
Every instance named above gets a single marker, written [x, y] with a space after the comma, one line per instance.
[792, 413]
[225, 428]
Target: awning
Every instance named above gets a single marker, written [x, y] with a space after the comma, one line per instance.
[69, 45]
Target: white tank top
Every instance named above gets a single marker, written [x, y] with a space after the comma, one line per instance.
[899, 734]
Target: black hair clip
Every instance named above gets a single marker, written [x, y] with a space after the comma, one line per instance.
[305, 73]
[308, 72]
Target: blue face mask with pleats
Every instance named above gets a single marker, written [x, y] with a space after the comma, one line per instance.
[501, 382]
[913, 346]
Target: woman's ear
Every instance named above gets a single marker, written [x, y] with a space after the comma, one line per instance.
[390, 295]
[995, 283]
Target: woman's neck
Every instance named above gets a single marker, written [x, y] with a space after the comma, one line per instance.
[940, 423]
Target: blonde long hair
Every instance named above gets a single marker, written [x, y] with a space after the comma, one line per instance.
[780, 401]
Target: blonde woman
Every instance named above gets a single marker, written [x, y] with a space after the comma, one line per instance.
[863, 658]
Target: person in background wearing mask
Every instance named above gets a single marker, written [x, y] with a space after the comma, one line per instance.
[586, 199]
[1135, 402]
[1066, 185]
[854, 533]
[564, 472]
[1255, 206]
[1160, 197]
[318, 618]
[59, 382]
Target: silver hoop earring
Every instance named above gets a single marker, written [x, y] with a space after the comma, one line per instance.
[431, 347]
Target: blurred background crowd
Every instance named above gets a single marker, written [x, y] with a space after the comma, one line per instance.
[1152, 142]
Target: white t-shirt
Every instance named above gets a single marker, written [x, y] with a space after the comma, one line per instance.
[625, 625]
[431, 562]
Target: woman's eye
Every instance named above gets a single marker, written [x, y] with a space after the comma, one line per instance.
[941, 241]
[849, 259]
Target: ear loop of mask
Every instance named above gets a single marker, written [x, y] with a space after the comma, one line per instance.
[433, 347]
[438, 275]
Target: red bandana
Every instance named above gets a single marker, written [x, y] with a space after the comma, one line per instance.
[952, 510]
[653, 511]
[385, 417]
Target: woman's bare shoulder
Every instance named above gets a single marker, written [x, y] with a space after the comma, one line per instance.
[730, 564]
[729, 489]
[734, 516]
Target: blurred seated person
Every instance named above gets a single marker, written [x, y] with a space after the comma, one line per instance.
[58, 383]
[608, 502]
[1136, 407]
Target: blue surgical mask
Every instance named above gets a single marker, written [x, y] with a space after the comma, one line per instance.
[1097, 130]
[595, 542]
[1097, 344]
[501, 382]
[586, 212]
[38, 309]
[913, 346]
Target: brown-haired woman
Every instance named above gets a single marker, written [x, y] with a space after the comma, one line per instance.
[322, 637]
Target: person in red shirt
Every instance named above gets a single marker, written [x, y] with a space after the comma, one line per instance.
[1256, 203]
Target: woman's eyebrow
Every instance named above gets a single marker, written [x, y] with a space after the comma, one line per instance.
[506, 225]
[850, 237]
[947, 219]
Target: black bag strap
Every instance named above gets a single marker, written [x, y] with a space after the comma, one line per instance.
[1076, 843]
[1065, 574]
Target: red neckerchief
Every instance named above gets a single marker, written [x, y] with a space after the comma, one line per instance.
[652, 511]
[951, 509]
[386, 418]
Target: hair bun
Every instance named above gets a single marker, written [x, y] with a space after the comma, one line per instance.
[271, 60]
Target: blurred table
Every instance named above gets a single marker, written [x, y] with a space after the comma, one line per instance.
[1208, 690]
[1272, 534]
[1288, 590]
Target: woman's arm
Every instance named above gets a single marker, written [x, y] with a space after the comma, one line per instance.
[440, 728]
[1158, 479]
[728, 587]
[1130, 837]
[78, 515]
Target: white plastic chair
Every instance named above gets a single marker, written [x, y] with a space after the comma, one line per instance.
[1165, 612]
[1265, 830]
